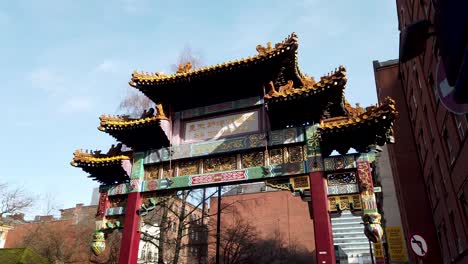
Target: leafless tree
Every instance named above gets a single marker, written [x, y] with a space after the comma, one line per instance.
[187, 55]
[59, 241]
[182, 226]
[135, 102]
[13, 200]
[241, 244]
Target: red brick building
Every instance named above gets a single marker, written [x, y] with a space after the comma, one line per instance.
[430, 156]
[274, 214]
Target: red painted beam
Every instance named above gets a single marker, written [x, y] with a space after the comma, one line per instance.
[131, 233]
[324, 249]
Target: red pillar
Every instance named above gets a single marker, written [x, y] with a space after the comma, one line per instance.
[131, 234]
[324, 249]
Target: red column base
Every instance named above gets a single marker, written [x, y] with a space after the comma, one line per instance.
[131, 235]
[324, 249]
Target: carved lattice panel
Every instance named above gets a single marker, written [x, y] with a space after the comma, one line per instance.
[345, 202]
[254, 159]
[168, 170]
[341, 178]
[223, 163]
[300, 182]
[296, 154]
[117, 201]
[276, 156]
[152, 172]
[188, 167]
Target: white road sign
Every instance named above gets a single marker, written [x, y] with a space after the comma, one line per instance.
[418, 245]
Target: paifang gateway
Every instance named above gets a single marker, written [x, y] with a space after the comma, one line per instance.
[248, 120]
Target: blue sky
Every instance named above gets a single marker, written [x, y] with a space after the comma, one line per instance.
[65, 62]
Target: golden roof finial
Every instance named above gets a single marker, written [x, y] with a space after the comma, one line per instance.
[184, 68]
[270, 91]
[160, 111]
[264, 50]
[308, 81]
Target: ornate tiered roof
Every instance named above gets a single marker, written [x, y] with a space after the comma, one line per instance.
[105, 168]
[145, 132]
[358, 116]
[185, 73]
[336, 79]
[224, 82]
[359, 129]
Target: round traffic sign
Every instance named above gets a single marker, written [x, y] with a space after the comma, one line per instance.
[446, 92]
[418, 245]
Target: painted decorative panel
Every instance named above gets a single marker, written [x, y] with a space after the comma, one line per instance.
[218, 108]
[315, 163]
[168, 170]
[137, 168]
[339, 163]
[342, 189]
[365, 176]
[266, 172]
[219, 177]
[344, 202]
[301, 183]
[188, 167]
[295, 154]
[276, 156]
[253, 159]
[115, 211]
[219, 164]
[279, 137]
[286, 136]
[151, 172]
[313, 141]
[341, 178]
[103, 199]
[223, 126]
[117, 202]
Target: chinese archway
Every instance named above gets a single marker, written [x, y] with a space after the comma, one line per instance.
[254, 119]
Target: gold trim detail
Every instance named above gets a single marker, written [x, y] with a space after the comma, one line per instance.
[94, 157]
[119, 122]
[185, 71]
[373, 113]
[332, 79]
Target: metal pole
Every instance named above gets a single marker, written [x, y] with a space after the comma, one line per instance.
[371, 254]
[218, 226]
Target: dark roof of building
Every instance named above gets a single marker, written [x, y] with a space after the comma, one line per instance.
[145, 132]
[105, 168]
[273, 73]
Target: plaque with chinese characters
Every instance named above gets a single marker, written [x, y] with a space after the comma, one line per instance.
[220, 127]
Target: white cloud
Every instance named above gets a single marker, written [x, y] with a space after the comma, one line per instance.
[107, 66]
[48, 80]
[77, 105]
